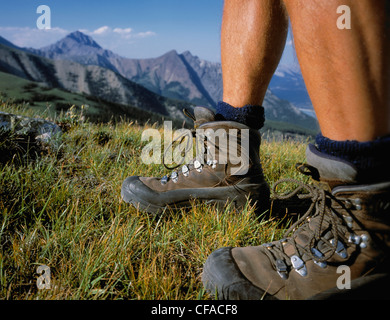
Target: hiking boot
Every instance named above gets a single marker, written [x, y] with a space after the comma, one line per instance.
[227, 173]
[341, 242]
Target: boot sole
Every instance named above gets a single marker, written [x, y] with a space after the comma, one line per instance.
[236, 195]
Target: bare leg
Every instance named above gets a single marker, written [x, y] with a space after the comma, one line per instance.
[252, 40]
[347, 72]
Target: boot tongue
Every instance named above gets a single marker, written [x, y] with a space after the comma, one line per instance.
[203, 115]
[331, 168]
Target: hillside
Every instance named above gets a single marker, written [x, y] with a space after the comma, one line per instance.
[40, 99]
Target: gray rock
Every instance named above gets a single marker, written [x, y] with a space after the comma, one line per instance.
[45, 133]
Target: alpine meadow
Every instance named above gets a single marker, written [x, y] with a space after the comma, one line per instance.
[63, 209]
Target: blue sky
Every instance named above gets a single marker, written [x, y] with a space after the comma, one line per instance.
[132, 28]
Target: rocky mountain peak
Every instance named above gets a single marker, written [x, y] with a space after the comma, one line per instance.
[82, 39]
[75, 43]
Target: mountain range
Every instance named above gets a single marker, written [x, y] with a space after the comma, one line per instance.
[173, 75]
[91, 80]
[77, 63]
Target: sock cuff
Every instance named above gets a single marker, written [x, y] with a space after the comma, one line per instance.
[364, 155]
[250, 115]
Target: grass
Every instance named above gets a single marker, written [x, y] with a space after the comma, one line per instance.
[64, 210]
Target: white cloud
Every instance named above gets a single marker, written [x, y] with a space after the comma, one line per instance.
[116, 38]
[110, 35]
[32, 37]
[102, 30]
[123, 31]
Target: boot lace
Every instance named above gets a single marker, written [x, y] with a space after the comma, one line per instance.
[195, 164]
[328, 232]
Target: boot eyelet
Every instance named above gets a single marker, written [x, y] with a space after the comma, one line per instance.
[298, 265]
[349, 221]
[164, 180]
[363, 243]
[348, 204]
[353, 238]
[185, 171]
[340, 249]
[359, 240]
[212, 163]
[174, 177]
[281, 269]
[318, 254]
[198, 166]
[357, 203]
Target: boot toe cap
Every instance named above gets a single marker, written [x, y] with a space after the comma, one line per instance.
[130, 187]
[135, 192]
[222, 277]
